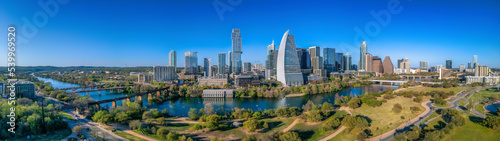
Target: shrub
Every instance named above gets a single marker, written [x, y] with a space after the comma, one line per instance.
[251, 125]
[397, 108]
[77, 129]
[162, 132]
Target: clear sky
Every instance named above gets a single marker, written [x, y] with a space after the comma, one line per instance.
[142, 32]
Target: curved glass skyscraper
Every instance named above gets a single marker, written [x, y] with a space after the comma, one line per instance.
[288, 67]
[362, 52]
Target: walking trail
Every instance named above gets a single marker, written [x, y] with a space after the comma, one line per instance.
[291, 125]
[342, 128]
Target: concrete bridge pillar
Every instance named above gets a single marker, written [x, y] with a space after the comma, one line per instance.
[82, 88]
[139, 97]
[149, 96]
[128, 99]
[97, 106]
[100, 93]
[158, 94]
[114, 105]
[88, 94]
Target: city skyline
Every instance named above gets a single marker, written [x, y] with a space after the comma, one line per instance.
[117, 39]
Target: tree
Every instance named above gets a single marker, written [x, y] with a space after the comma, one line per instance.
[77, 129]
[354, 103]
[397, 108]
[418, 99]
[103, 117]
[250, 138]
[314, 116]
[469, 106]
[162, 132]
[122, 117]
[355, 122]
[192, 114]
[147, 115]
[492, 122]
[400, 137]
[134, 124]
[290, 136]
[257, 115]
[251, 125]
[331, 123]
[326, 108]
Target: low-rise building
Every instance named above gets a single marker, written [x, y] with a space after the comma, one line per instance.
[482, 79]
[217, 80]
[243, 81]
[23, 89]
[217, 93]
[144, 77]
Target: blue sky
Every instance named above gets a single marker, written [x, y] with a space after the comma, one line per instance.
[141, 33]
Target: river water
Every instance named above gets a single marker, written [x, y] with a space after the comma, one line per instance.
[181, 106]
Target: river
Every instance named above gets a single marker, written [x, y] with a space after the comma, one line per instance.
[181, 106]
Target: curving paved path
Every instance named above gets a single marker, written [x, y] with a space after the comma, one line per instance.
[342, 128]
[291, 125]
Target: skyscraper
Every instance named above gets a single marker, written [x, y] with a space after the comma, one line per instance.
[221, 64]
[469, 65]
[329, 59]
[448, 64]
[164, 73]
[388, 66]
[377, 65]
[236, 56]
[230, 56]
[339, 62]
[347, 61]
[316, 59]
[461, 68]
[207, 67]
[399, 62]
[368, 62]
[271, 62]
[288, 68]
[474, 61]
[424, 65]
[191, 62]
[363, 51]
[247, 67]
[405, 65]
[304, 58]
[172, 56]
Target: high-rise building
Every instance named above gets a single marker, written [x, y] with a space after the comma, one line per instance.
[271, 61]
[368, 62]
[230, 56]
[377, 65]
[304, 58]
[247, 67]
[347, 61]
[469, 65]
[206, 67]
[424, 65]
[329, 59]
[288, 67]
[461, 68]
[388, 66]
[481, 70]
[339, 62]
[221, 66]
[399, 62]
[164, 73]
[236, 60]
[191, 62]
[316, 59]
[474, 60]
[448, 64]
[259, 66]
[362, 61]
[172, 56]
[405, 65]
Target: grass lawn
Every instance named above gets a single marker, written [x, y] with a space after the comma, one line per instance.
[479, 108]
[52, 136]
[428, 89]
[437, 123]
[346, 135]
[66, 115]
[432, 116]
[383, 119]
[462, 102]
[128, 136]
[445, 105]
[177, 127]
[472, 131]
[309, 132]
[483, 95]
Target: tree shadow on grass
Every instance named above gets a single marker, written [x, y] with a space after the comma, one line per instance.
[272, 125]
[304, 134]
[476, 120]
[177, 124]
